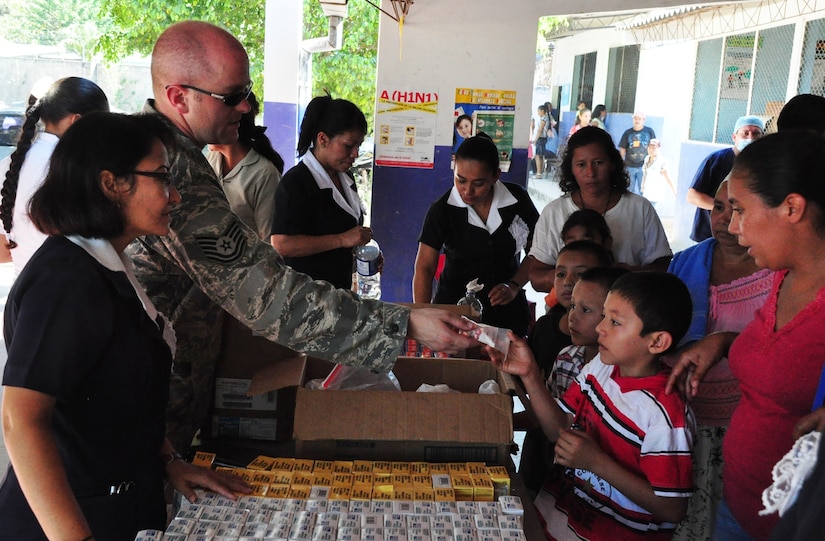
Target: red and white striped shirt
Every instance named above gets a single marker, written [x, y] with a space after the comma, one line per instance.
[647, 432]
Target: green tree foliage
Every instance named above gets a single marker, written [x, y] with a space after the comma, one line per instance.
[75, 25]
[138, 23]
[349, 73]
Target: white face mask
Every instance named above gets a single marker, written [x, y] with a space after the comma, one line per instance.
[742, 143]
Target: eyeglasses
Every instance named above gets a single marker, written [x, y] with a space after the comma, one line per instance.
[230, 100]
[163, 176]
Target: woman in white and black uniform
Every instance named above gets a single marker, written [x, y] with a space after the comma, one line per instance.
[319, 217]
[482, 224]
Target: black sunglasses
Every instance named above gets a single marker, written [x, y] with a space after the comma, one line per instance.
[163, 176]
[230, 100]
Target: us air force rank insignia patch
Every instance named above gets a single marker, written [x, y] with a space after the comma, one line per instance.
[226, 248]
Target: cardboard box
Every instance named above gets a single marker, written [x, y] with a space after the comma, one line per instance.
[259, 395]
[242, 409]
[406, 425]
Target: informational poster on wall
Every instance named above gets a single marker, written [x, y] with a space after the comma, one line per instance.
[490, 111]
[736, 68]
[405, 128]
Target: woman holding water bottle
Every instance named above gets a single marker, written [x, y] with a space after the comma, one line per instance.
[482, 225]
[319, 218]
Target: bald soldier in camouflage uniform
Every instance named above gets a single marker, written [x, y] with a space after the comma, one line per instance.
[212, 262]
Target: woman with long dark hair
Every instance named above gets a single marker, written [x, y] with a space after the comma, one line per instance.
[24, 170]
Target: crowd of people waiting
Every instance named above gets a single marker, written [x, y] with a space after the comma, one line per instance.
[665, 386]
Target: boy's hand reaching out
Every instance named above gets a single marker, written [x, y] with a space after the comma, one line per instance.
[519, 361]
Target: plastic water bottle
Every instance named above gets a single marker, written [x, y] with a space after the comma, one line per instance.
[366, 266]
[470, 299]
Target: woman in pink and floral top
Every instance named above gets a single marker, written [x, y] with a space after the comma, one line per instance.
[726, 287]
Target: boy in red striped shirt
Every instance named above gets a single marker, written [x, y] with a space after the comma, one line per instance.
[626, 445]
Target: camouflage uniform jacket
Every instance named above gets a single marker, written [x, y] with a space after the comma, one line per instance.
[211, 260]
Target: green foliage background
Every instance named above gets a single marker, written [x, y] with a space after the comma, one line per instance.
[114, 29]
[351, 72]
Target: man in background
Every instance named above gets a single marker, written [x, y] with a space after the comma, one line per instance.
[633, 148]
[714, 170]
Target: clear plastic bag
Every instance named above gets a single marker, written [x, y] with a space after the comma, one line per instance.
[356, 378]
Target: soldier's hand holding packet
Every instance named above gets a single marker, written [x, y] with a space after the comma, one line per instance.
[494, 337]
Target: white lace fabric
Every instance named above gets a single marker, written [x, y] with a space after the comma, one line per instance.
[790, 473]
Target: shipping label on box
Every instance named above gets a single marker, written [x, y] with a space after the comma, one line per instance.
[244, 427]
[231, 394]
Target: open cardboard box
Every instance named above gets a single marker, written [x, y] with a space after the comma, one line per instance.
[242, 410]
[406, 425]
[260, 395]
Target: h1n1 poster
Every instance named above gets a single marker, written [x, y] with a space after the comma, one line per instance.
[405, 128]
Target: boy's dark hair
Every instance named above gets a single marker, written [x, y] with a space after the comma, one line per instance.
[660, 299]
[604, 277]
[602, 254]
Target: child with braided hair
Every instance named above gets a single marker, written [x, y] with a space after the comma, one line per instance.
[24, 170]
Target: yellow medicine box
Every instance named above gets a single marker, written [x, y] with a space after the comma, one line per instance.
[444, 494]
[261, 463]
[321, 466]
[323, 479]
[500, 478]
[340, 493]
[482, 488]
[363, 493]
[362, 466]
[303, 465]
[283, 464]
[403, 493]
[277, 491]
[302, 478]
[463, 487]
[204, 459]
[382, 467]
[299, 492]
[438, 467]
[363, 479]
[342, 479]
[419, 467]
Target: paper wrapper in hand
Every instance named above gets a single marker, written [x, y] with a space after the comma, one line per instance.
[494, 337]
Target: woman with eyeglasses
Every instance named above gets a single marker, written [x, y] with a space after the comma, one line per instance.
[319, 217]
[87, 376]
[23, 171]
